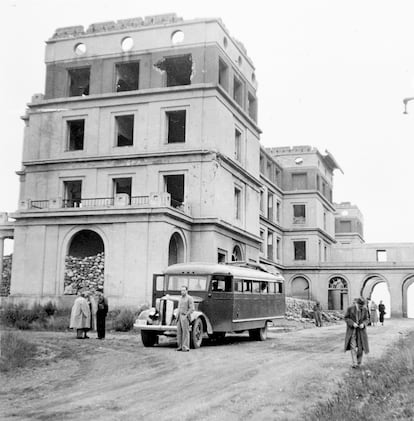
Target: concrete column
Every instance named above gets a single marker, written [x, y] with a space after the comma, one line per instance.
[1, 256]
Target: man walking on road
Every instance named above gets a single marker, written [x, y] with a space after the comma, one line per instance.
[185, 308]
[356, 338]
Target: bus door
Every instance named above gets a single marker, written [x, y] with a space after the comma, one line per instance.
[219, 303]
[158, 287]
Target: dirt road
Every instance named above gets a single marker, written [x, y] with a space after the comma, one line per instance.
[119, 379]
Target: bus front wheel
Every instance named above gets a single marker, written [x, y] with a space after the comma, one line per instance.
[196, 336]
[259, 334]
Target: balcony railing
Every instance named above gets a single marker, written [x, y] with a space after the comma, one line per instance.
[120, 200]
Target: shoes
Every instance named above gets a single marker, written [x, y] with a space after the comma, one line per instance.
[86, 337]
[179, 349]
[355, 366]
[185, 349]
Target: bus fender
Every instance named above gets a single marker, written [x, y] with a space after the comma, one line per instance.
[197, 314]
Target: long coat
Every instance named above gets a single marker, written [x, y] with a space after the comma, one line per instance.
[80, 317]
[361, 333]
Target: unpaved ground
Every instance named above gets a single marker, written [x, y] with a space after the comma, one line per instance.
[119, 379]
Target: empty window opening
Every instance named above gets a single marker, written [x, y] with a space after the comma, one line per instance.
[278, 249]
[381, 255]
[127, 76]
[221, 256]
[299, 214]
[178, 69]
[345, 226]
[270, 198]
[299, 250]
[337, 294]
[123, 186]
[176, 126]
[73, 193]
[79, 81]
[278, 211]
[223, 75]
[262, 238]
[238, 91]
[237, 255]
[252, 106]
[174, 184]
[300, 288]
[124, 130]
[299, 181]
[76, 134]
[237, 203]
[176, 252]
[237, 145]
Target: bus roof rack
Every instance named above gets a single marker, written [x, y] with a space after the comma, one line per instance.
[253, 265]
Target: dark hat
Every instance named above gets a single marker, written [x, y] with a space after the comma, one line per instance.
[360, 301]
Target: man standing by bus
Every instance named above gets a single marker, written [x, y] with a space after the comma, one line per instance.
[185, 308]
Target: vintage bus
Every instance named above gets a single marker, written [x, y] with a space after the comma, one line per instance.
[227, 298]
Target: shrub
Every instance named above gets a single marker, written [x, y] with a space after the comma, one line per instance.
[15, 351]
[50, 308]
[124, 321]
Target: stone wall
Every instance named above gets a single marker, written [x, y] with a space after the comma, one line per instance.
[84, 273]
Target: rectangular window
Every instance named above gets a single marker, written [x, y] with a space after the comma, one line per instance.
[237, 203]
[252, 106]
[127, 76]
[79, 81]
[247, 286]
[270, 245]
[324, 220]
[73, 194]
[278, 211]
[278, 248]
[299, 250]
[238, 91]
[221, 256]
[345, 226]
[381, 255]
[270, 206]
[262, 237]
[123, 186]
[76, 133]
[299, 214]
[262, 194]
[299, 181]
[238, 286]
[176, 126]
[124, 130]
[237, 145]
[178, 69]
[174, 184]
[223, 77]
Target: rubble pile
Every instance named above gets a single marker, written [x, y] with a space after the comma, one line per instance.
[84, 273]
[302, 310]
[6, 276]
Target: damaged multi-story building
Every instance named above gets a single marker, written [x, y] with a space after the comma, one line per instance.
[144, 151]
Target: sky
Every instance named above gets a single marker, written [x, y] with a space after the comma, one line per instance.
[331, 74]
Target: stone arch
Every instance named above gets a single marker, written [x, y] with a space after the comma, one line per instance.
[407, 286]
[83, 250]
[338, 292]
[300, 287]
[237, 253]
[369, 290]
[176, 248]
[369, 282]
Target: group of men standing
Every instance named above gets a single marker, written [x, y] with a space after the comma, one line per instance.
[88, 312]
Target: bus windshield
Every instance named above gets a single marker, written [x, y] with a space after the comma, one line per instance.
[193, 283]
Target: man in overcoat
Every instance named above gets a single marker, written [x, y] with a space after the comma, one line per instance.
[80, 318]
[185, 308]
[356, 338]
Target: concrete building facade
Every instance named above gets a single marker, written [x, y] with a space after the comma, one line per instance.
[144, 150]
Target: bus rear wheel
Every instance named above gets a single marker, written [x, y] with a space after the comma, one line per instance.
[196, 337]
[259, 334]
[148, 338]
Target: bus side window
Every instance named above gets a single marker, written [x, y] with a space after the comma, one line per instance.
[263, 287]
[221, 283]
[256, 286]
[279, 288]
[247, 286]
[238, 286]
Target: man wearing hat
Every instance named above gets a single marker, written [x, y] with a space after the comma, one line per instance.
[356, 338]
[101, 312]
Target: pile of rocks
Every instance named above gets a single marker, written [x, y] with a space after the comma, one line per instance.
[298, 309]
[84, 273]
[6, 276]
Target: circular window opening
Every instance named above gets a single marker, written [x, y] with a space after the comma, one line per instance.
[225, 42]
[127, 43]
[298, 161]
[177, 37]
[80, 49]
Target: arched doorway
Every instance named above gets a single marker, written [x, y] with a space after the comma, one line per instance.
[300, 288]
[84, 263]
[376, 288]
[408, 297]
[176, 249]
[237, 255]
[338, 298]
